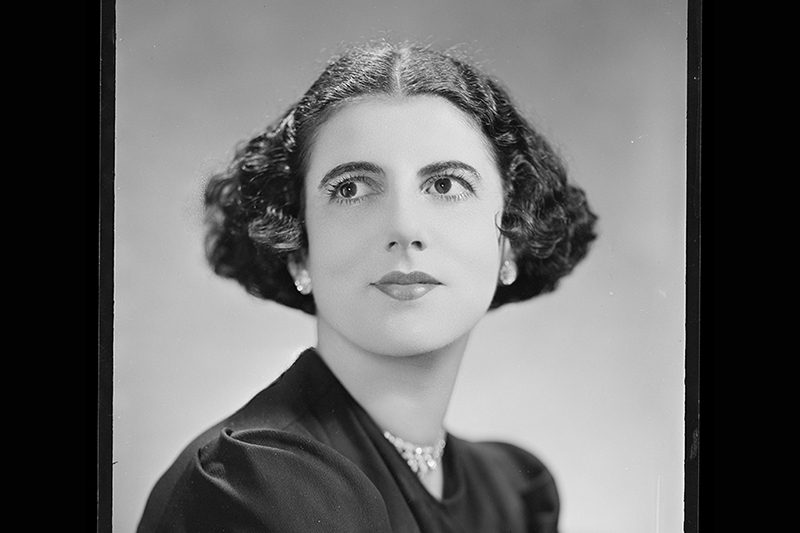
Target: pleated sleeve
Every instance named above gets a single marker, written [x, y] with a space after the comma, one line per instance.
[273, 481]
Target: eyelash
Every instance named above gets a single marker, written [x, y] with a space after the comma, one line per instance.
[332, 189]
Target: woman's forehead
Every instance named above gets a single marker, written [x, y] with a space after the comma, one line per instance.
[386, 127]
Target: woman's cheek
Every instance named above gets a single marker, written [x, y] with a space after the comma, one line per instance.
[338, 248]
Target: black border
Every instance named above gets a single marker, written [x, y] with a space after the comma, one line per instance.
[105, 234]
[696, 201]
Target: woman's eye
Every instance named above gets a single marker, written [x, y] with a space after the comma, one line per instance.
[442, 185]
[448, 187]
[350, 189]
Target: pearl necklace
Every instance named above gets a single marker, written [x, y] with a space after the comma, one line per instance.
[421, 459]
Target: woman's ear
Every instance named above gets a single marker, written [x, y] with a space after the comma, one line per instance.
[297, 269]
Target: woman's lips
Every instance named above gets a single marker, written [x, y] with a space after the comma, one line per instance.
[406, 286]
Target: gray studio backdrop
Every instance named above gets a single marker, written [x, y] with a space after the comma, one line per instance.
[589, 378]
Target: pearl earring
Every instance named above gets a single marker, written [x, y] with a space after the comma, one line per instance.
[303, 282]
[508, 272]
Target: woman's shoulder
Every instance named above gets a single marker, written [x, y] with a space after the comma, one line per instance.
[511, 469]
[267, 480]
[264, 467]
[280, 480]
[506, 456]
[515, 457]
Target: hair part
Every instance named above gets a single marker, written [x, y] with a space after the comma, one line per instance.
[255, 207]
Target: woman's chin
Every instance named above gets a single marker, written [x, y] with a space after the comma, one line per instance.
[404, 339]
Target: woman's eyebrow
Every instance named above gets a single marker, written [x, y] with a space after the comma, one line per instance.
[441, 166]
[345, 168]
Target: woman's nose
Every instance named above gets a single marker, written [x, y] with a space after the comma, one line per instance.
[406, 224]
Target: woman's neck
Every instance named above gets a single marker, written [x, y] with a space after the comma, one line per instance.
[406, 395]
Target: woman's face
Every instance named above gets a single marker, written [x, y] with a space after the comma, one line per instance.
[398, 186]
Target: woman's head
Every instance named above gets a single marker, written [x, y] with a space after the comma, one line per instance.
[402, 203]
[257, 207]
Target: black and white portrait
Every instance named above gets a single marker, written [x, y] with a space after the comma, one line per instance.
[399, 266]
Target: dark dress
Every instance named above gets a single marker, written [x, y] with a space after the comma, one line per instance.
[304, 456]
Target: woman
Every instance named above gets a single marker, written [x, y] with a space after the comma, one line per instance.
[400, 199]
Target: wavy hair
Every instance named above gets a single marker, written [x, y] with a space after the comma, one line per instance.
[254, 207]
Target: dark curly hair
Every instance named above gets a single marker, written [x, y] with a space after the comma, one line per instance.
[254, 208]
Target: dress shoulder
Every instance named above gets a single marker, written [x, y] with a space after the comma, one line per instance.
[521, 473]
[273, 480]
[527, 469]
